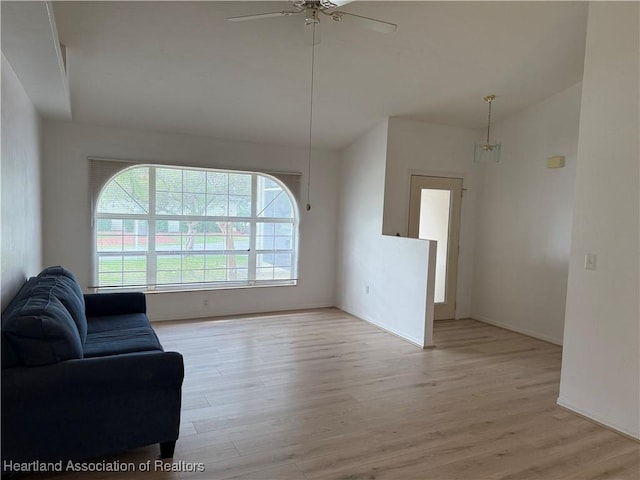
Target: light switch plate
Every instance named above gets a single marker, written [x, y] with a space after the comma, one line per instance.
[590, 261]
[555, 162]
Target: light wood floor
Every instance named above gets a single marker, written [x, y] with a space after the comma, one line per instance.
[321, 395]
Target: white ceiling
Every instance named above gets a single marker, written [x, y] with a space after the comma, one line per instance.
[182, 67]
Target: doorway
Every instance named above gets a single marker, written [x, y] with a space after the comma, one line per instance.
[434, 214]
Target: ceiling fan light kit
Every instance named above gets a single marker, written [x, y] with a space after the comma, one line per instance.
[487, 152]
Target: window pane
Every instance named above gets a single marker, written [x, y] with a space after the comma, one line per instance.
[192, 276]
[118, 235]
[226, 261]
[214, 241]
[127, 192]
[264, 273]
[239, 206]
[215, 261]
[215, 275]
[168, 180]
[110, 279]
[282, 206]
[283, 243]
[217, 205]
[169, 203]
[169, 262]
[272, 200]
[192, 262]
[169, 276]
[282, 260]
[135, 264]
[266, 240]
[134, 278]
[237, 274]
[265, 260]
[109, 264]
[284, 229]
[266, 229]
[229, 236]
[195, 181]
[238, 261]
[168, 242]
[223, 267]
[127, 270]
[192, 242]
[194, 204]
[192, 235]
[109, 243]
[282, 273]
[218, 182]
[240, 184]
[135, 235]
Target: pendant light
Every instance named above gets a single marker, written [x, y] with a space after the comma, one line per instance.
[487, 152]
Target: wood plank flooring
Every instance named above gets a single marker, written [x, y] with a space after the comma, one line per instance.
[321, 395]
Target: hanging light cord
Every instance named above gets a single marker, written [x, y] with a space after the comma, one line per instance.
[489, 99]
[489, 123]
[313, 55]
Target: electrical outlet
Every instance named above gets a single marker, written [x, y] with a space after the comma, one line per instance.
[205, 302]
[590, 261]
[366, 289]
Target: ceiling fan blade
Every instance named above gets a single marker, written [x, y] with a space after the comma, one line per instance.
[243, 18]
[335, 3]
[366, 22]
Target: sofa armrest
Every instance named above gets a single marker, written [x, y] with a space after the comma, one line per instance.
[104, 304]
[92, 407]
[91, 376]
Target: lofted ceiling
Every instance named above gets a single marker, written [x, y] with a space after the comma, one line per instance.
[182, 67]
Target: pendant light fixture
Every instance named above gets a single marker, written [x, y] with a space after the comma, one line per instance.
[487, 152]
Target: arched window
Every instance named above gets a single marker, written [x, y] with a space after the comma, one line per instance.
[174, 227]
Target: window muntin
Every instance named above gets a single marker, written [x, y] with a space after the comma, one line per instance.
[164, 227]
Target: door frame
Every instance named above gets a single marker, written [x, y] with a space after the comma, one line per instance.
[454, 184]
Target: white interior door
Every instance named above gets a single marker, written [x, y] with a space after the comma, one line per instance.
[434, 214]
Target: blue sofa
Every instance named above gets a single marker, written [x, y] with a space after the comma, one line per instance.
[84, 376]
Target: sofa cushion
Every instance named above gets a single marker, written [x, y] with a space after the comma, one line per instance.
[116, 342]
[65, 287]
[9, 356]
[41, 331]
[117, 322]
[20, 297]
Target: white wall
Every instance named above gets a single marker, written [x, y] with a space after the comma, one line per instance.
[438, 150]
[20, 204]
[67, 227]
[600, 362]
[523, 220]
[395, 269]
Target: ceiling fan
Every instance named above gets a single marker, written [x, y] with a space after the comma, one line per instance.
[312, 9]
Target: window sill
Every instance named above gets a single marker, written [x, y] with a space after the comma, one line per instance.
[187, 289]
[213, 289]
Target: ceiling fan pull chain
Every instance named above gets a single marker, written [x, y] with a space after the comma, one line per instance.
[313, 58]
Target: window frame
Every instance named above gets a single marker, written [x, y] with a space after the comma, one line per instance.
[151, 253]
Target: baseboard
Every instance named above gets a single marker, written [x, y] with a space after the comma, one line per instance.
[213, 314]
[523, 331]
[592, 417]
[401, 335]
